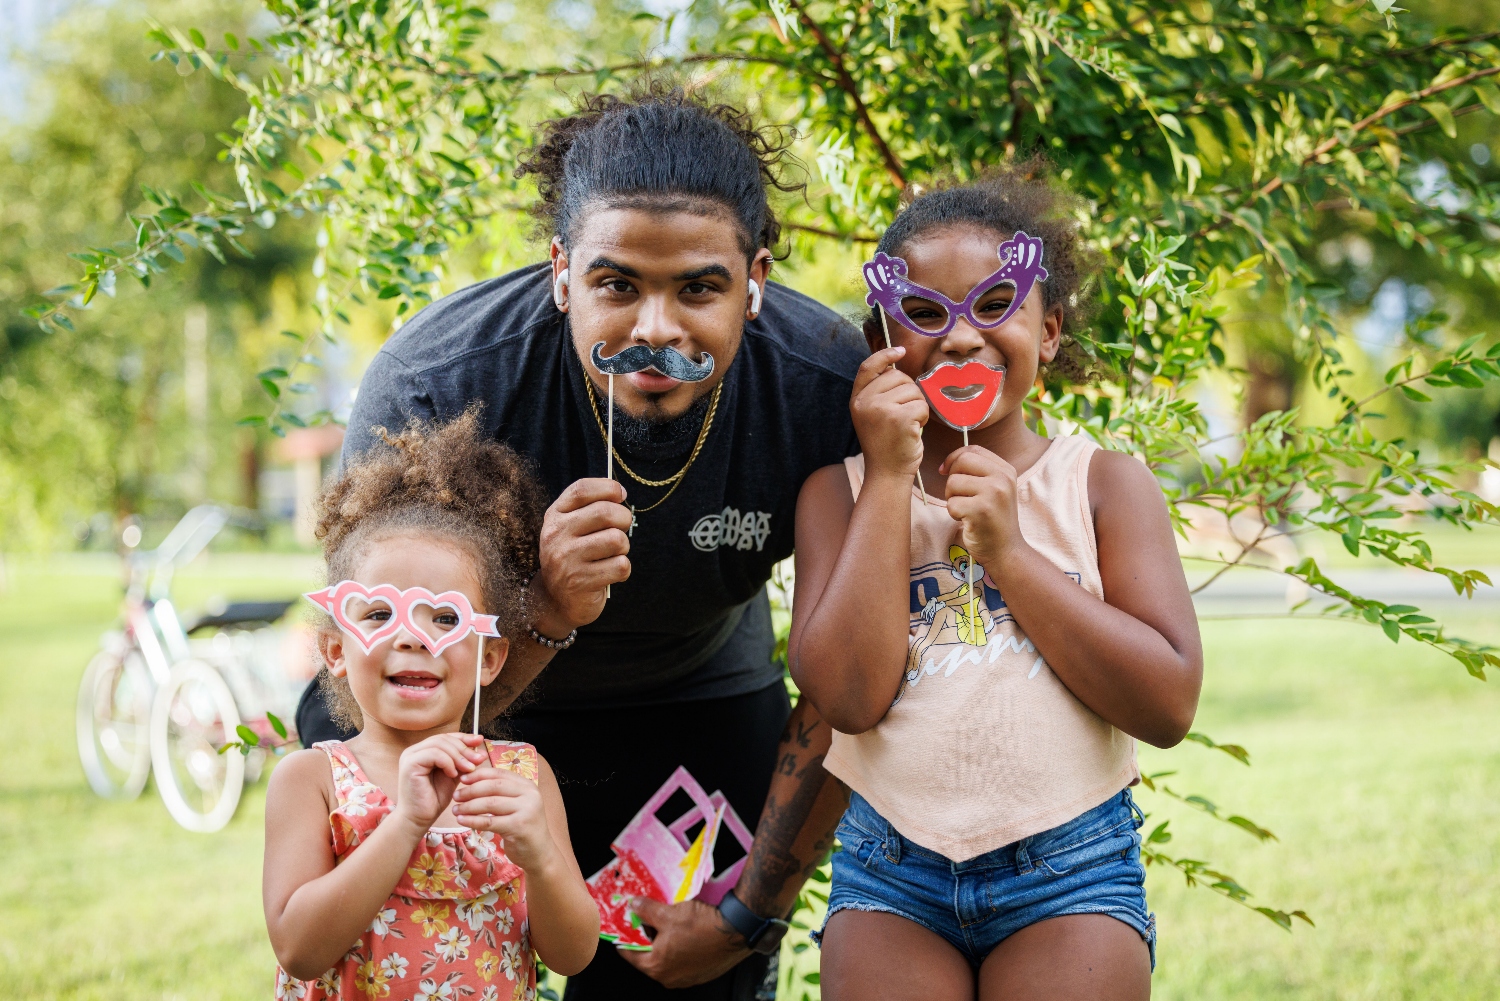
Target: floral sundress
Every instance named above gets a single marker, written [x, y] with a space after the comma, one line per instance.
[454, 928]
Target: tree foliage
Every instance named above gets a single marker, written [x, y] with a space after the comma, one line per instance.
[1216, 144]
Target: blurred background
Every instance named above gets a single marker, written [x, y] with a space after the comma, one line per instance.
[1381, 767]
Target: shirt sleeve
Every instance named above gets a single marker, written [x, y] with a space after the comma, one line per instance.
[390, 395]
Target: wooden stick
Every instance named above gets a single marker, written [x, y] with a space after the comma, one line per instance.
[887, 331]
[972, 623]
[478, 680]
[609, 445]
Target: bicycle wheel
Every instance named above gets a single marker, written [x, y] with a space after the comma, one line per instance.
[193, 717]
[113, 715]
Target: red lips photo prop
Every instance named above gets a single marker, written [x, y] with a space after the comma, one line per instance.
[963, 395]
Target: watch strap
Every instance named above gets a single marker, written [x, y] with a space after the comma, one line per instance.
[761, 935]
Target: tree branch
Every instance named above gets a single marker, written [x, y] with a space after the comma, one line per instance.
[846, 83]
[832, 234]
[1333, 141]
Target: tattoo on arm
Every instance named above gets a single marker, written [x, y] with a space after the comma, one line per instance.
[773, 862]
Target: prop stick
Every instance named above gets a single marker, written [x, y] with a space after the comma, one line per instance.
[887, 331]
[478, 682]
[609, 445]
[478, 687]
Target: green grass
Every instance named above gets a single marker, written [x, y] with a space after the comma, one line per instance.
[1376, 765]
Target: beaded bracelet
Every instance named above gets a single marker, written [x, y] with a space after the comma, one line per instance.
[552, 644]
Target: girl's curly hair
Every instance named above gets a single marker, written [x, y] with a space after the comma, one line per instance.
[1016, 195]
[444, 480]
[659, 147]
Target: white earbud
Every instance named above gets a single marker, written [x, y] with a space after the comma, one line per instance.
[559, 287]
[754, 299]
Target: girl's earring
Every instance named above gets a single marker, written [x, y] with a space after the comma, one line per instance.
[754, 299]
[559, 290]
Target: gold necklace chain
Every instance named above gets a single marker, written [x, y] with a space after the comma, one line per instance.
[675, 479]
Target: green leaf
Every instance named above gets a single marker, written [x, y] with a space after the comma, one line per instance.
[1392, 630]
[1463, 377]
[248, 735]
[253, 421]
[1489, 95]
[197, 37]
[276, 725]
[1443, 115]
[1413, 394]
[231, 41]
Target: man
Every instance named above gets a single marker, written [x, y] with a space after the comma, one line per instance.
[661, 232]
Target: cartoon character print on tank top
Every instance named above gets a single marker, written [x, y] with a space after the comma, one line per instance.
[946, 622]
[454, 928]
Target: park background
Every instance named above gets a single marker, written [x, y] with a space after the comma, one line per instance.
[1376, 765]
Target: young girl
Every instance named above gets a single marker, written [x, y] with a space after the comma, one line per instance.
[987, 669]
[418, 861]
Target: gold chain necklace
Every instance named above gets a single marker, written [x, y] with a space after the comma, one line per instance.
[675, 479]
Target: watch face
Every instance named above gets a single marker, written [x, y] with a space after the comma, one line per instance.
[769, 939]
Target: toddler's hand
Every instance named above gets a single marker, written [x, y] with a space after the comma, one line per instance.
[510, 805]
[428, 773]
[889, 412]
[982, 496]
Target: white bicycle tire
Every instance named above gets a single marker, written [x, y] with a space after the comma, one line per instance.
[112, 722]
[189, 734]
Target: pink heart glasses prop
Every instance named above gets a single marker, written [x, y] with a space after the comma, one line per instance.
[335, 601]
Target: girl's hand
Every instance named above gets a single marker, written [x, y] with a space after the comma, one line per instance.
[982, 496]
[510, 805]
[429, 772]
[889, 413]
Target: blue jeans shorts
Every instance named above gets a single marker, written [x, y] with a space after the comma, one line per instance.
[1088, 865]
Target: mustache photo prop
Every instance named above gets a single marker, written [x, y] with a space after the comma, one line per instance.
[666, 359]
[637, 358]
[415, 609]
[1020, 267]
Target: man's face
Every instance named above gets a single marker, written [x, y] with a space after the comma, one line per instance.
[663, 279]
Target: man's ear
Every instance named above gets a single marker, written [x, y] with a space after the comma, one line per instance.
[760, 267]
[496, 652]
[331, 648]
[559, 255]
[1052, 324]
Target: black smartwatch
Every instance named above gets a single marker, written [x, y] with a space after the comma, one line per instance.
[762, 935]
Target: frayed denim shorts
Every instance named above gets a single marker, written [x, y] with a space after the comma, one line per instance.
[1088, 865]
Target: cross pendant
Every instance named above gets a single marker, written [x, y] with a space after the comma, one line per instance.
[631, 532]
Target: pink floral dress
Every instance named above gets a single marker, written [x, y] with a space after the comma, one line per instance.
[454, 928]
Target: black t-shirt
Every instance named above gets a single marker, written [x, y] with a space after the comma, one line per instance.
[693, 620]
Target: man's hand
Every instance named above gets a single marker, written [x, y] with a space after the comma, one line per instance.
[693, 943]
[584, 549]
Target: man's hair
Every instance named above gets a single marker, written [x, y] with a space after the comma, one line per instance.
[1017, 195]
[444, 480]
[659, 148]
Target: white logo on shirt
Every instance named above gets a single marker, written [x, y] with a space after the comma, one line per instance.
[730, 528]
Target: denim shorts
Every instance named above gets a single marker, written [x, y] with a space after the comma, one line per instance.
[1088, 865]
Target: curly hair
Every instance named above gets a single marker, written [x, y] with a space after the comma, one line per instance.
[660, 147]
[443, 480]
[1016, 195]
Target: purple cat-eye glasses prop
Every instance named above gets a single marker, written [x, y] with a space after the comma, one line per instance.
[1020, 267]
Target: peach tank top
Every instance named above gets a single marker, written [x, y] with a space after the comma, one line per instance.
[984, 745]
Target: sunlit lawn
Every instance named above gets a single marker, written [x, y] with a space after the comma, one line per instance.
[1378, 766]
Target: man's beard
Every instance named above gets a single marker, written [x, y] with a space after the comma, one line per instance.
[656, 432]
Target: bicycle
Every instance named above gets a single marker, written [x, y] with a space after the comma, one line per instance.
[157, 699]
